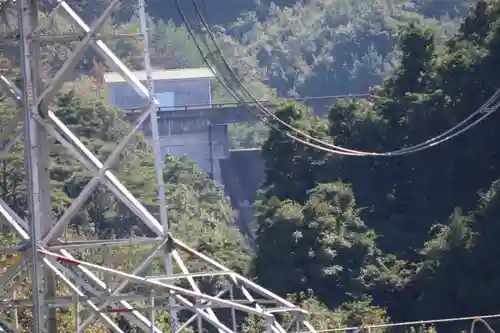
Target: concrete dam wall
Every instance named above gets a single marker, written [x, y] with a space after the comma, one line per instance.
[189, 124]
[242, 174]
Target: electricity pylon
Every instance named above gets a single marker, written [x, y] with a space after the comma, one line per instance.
[100, 291]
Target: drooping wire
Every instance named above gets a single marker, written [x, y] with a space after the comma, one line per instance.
[475, 320]
[408, 149]
[427, 144]
[239, 99]
[445, 136]
[341, 151]
[487, 109]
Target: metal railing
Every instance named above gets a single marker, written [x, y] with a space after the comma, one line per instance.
[267, 103]
[194, 107]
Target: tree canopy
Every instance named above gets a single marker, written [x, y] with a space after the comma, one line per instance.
[198, 210]
[357, 241]
[416, 238]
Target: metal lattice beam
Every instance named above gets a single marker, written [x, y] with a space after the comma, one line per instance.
[97, 291]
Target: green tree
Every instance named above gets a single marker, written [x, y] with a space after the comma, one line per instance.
[200, 214]
[322, 245]
[291, 167]
[402, 197]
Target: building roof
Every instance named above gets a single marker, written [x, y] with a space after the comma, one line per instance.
[171, 74]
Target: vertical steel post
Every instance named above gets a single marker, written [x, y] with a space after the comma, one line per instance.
[106, 260]
[16, 312]
[152, 310]
[199, 323]
[33, 146]
[157, 151]
[233, 311]
[78, 319]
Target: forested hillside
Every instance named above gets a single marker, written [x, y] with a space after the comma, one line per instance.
[416, 233]
[290, 48]
[195, 202]
[331, 48]
[355, 240]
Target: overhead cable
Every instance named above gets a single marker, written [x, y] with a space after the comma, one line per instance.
[238, 98]
[474, 320]
[486, 109]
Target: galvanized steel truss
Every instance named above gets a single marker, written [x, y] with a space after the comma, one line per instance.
[48, 257]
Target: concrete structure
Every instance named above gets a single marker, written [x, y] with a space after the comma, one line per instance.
[176, 87]
[180, 134]
[190, 124]
[243, 174]
[233, 112]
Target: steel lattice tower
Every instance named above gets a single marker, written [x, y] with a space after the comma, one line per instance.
[47, 257]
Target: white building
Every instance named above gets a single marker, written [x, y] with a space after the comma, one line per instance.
[177, 89]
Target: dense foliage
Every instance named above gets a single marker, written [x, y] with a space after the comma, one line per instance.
[198, 211]
[354, 240]
[415, 233]
[285, 48]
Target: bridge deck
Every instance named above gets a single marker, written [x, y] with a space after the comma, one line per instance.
[228, 113]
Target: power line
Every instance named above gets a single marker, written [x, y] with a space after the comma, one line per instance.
[486, 110]
[337, 149]
[474, 319]
[421, 146]
[238, 98]
[229, 90]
